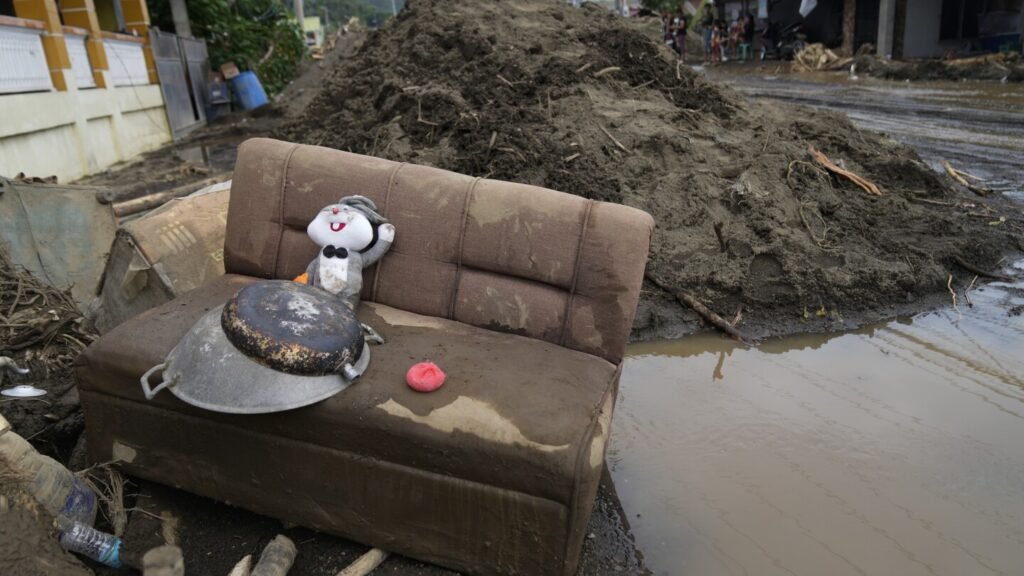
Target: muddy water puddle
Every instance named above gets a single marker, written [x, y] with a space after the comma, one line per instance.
[897, 449]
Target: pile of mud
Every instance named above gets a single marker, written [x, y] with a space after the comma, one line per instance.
[577, 100]
[1007, 67]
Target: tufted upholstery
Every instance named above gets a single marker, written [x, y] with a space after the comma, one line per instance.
[497, 255]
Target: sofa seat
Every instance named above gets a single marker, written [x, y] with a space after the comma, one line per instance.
[516, 414]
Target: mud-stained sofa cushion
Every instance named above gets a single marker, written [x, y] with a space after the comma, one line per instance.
[493, 254]
[514, 412]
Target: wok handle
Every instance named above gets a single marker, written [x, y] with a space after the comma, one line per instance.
[151, 392]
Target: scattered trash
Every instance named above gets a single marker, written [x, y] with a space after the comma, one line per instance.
[89, 542]
[425, 377]
[815, 57]
[277, 558]
[8, 364]
[57, 489]
[23, 391]
[1002, 66]
[167, 252]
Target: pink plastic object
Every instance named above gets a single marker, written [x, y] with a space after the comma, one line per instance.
[424, 377]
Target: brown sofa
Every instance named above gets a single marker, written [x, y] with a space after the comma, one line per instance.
[524, 296]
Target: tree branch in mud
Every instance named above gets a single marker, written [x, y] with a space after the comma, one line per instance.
[975, 270]
[958, 176]
[952, 293]
[704, 312]
[864, 184]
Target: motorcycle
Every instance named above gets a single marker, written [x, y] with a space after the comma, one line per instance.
[783, 43]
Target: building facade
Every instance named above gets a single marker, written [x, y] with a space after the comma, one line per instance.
[78, 86]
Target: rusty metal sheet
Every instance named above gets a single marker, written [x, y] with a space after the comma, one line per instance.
[60, 233]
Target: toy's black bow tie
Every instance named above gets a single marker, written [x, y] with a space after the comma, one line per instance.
[332, 252]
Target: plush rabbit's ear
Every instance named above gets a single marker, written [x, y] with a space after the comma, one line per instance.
[366, 207]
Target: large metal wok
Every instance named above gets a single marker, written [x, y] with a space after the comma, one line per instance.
[275, 346]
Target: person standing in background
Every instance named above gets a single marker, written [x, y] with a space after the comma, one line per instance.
[682, 22]
[707, 24]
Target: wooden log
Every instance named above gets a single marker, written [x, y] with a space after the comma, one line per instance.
[151, 201]
[978, 271]
[365, 564]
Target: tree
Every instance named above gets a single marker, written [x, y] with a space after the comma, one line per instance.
[662, 5]
[340, 11]
[257, 35]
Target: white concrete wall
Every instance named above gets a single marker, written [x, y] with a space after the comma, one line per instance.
[921, 35]
[75, 133]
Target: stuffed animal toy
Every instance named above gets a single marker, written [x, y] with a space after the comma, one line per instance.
[351, 236]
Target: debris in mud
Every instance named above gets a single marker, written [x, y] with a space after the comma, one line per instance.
[42, 330]
[579, 101]
[816, 57]
[1004, 66]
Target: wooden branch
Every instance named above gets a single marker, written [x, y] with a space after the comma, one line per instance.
[704, 312]
[365, 564]
[958, 176]
[150, 201]
[607, 70]
[865, 184]
[975, 270]
[609, 135]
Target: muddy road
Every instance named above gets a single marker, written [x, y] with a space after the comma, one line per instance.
[893, 449]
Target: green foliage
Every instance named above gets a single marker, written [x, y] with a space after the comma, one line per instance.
[341, 10]
[662, 5]
[243, 32]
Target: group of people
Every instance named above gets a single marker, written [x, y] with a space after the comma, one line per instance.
[719, 38]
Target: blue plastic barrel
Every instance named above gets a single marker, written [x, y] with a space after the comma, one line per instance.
[249, 91]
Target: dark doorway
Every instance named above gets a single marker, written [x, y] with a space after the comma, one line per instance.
[866, 26]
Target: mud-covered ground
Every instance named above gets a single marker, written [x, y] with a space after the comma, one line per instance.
[575, 100]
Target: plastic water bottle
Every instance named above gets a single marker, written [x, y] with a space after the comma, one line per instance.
[88, 541]
[59, 491]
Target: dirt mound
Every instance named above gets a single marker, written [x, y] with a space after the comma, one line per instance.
[577, 100]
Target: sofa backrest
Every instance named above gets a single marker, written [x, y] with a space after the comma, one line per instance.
[497, 255]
